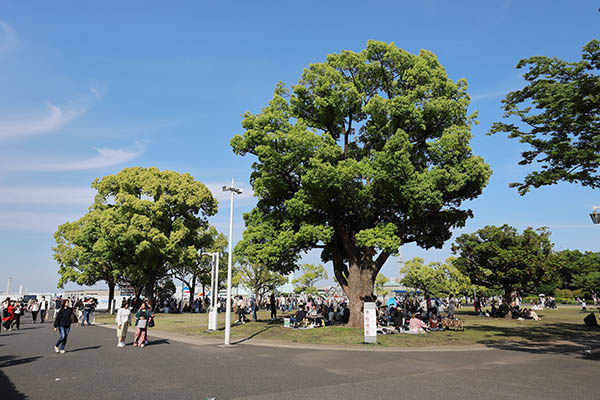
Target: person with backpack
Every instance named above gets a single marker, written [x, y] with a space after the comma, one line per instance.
[62, 323]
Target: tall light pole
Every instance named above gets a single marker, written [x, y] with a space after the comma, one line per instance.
[233, 191]
[214, 285]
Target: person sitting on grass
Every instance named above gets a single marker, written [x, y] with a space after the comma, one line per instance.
[434, 323]
[299, 316]
[416, 326]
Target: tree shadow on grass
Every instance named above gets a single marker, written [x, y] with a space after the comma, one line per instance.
[556, 338]
[252, 336]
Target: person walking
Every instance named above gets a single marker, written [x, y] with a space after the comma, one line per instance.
[8, 313]
[43, 309]
[62, 324]
[18, 312]
[123, 320]
[34, 309]
[253, 307]
[142, 318]
[273, 304]
[87, 309]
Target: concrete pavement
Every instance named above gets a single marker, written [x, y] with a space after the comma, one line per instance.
[94, 368]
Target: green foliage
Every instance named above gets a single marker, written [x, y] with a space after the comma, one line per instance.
[258, 278]
[380, 282]
[143, 222]
[559, 107]
[436, 278]
[500, 257]
[368, 151]
[311, 274]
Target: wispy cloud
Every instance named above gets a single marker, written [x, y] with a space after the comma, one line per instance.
[105, 158]
[54, 118]
[8, 37]
[25, 221]
[491, 95]
[46, 195]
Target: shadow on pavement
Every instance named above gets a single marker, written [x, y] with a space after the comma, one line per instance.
[7, 361]
[84, 348]
[9, 392]
[253, 335]
[157, 342]
[558, 338]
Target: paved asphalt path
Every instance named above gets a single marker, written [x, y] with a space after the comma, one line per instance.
[94, 368]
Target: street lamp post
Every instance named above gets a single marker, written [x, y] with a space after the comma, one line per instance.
[214, 284]
[233, 191]
[595, 215]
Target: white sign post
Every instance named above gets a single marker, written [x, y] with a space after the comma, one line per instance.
[370, 322]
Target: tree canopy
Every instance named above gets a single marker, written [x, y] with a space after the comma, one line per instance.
[311, 274]
[435, 278]
[500, 257]
[368, 151]
[559, 110]
[142, 223]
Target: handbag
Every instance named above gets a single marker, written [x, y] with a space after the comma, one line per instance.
[74, 319]
[151, 322]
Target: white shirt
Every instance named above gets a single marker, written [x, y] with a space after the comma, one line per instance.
[123, 316]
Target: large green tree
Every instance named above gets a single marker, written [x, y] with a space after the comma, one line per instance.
[92, 249]
[368, 151]
[500, 257]
[158, 216]
[559, 111]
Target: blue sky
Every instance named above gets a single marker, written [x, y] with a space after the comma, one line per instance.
[89, 88]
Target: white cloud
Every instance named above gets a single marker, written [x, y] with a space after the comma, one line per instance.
[25, 221]
[53, 119]
[8, 37]
[47, 195]
[105, 158]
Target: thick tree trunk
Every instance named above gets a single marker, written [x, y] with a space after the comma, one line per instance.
[192, 292]
[358, 290]
[149, 291]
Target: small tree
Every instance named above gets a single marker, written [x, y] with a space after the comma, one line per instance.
[559, 109]
[380, 282]
[311, 274]
[436, 278]
[259, 279]
[500, 257]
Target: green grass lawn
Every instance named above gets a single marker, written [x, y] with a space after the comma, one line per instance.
[562, 327]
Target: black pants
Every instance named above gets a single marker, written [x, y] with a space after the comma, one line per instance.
[34, 315]
[42, 315]
[17, 321]
[273, 313]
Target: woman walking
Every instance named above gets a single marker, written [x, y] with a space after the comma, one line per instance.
[17, 314]
[8, 313]
[123, 320]
[34, 308]
[142, 317]
[62, 323]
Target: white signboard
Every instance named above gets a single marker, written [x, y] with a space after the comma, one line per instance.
[370, 322]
